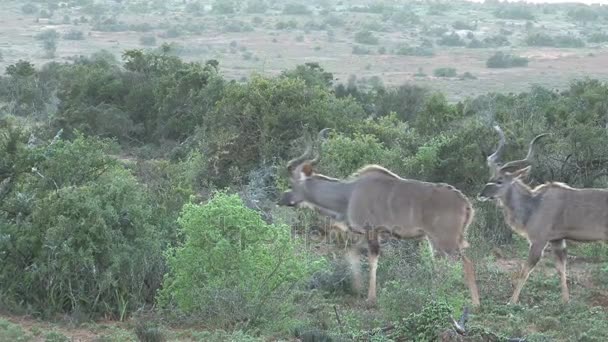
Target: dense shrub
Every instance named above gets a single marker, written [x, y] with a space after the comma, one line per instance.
[267, 107]
[224, 6]
[540, 39]
[366, 37]
[583, 13]
[514, 11]
[568, 41]
[147, 40]
[598, 37]
[406, 50]
[256, 6]
[233, 267]
[505, 60]
[452, 39]
[461, 25]
[73, 35]
[29, 8]
[444, 72]
[79, 240]
[496, 41]
[295, 9]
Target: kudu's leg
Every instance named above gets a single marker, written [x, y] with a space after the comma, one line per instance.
[469, 276]
[534, 255]
[374, 252]
[559, 251]
[354, 261]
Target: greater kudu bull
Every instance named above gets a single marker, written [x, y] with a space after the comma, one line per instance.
[549, 213]
[374, 199]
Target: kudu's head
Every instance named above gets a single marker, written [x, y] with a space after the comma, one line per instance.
[502, 176]
[300, 169]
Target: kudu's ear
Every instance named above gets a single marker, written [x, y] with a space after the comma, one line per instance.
[307, 169]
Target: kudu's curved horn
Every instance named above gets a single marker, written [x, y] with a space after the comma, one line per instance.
[320, 137]
[297, 161]
[494, 159]
[520, 164]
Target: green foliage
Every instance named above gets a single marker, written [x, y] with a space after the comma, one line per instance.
[452, 39]
[224, 7]
[73, 35]
[295, 9]
[444, 72]
[563, 41]
[148, 40]
[12, 332]
[598, 37]
[272, 112]
[428, 323]
[461, 25]
[514, 11]
[406, 50]
[540, 39]
[233, 267]
[147, 331]
[29, 8]
[361, 50]
[504, 60]
[366, 37]
[583, 13]
[312, 74]
[344, 155]
[256, 6]
[78, 239]
[157, 96]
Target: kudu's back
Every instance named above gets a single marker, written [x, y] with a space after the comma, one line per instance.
[410, 208]
[576, 214]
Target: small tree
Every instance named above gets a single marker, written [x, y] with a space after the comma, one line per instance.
[445, 72]
[233, 267]
[366, 37]
[503, 60]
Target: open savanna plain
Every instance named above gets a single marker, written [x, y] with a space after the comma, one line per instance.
[388, 42]
[144, 145]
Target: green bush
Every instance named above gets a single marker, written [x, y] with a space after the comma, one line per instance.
[540, 39]
[452, 39]
[344, 155]
[583, 13]
[514, 11]
[29, 8]
[13, 332]
[366, 37]
[148, 40]
[504, 60]
[83, 238]
[233, 267]
[73, 35]
[407, 50]
[568, 41]
[295, 9]
[598, 37]
[444, 72]
[461, 25]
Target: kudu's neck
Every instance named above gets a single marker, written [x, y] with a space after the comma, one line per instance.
[519, 203]
[329, 194]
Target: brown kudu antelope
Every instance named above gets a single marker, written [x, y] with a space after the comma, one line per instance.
[376, 200]
[547, 214]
